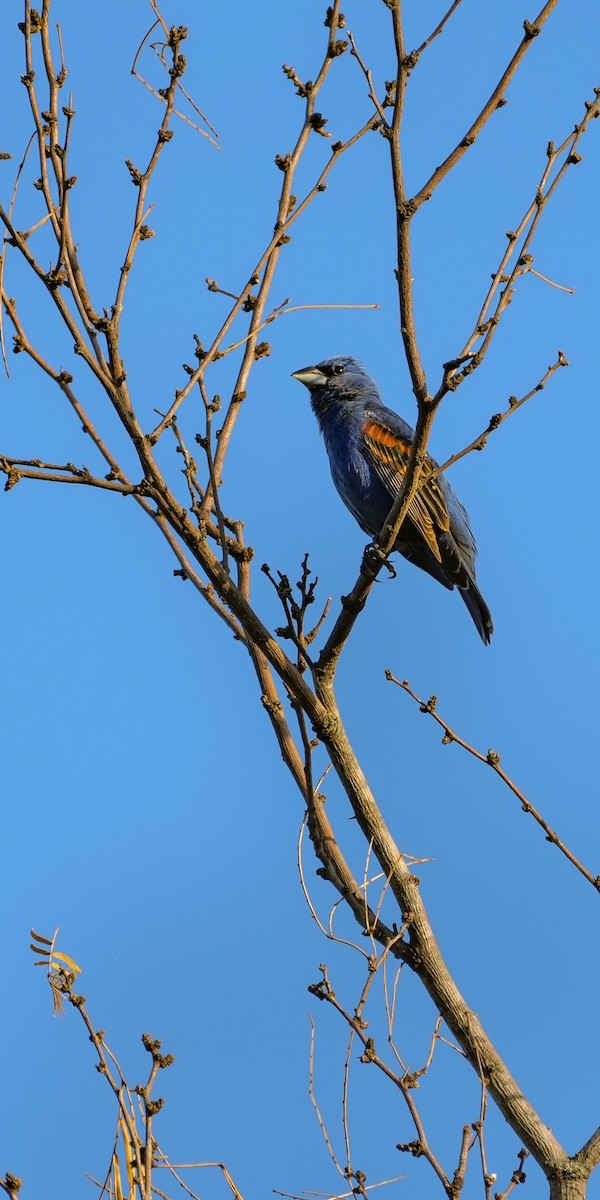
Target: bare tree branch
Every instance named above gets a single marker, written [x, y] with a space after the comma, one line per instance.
[496, 100]
[492, 759]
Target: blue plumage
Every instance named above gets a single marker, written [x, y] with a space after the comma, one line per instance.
[369, 447]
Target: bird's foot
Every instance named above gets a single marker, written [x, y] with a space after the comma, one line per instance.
[374, 560]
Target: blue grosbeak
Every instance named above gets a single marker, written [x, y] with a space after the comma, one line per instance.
[369, 448]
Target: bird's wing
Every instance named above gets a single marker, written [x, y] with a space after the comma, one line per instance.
[388, 452]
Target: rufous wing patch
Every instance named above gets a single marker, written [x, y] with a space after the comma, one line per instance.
[385, 443]
[428, 511]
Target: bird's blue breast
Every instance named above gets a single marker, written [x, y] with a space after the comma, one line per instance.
[354, 477]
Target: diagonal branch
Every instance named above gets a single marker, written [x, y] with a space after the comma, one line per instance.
[416, 54]
[497, 420]
[160, 96]
[502, 288]
[589, 1156]
[63, 380]
[425, 958]
[496, 100]
[141, 180]
[492, 759]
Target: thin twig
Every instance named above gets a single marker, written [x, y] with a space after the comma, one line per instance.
[160, 54]
[492, 759]
[496, 100]
[63, 380]
[15, 471]
[345, 1090]
[281, 311]
[338, 871]
[142, 179]
[313, 1100]
[502, 287]
[416, 54]
[518, 1176]
[324, 991]
[3, 250]
[497, 420]
[371, 1187]
[266, 262]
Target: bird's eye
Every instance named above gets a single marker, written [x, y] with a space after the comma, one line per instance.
[338, 369]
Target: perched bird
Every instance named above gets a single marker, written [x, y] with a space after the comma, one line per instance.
[369, 448]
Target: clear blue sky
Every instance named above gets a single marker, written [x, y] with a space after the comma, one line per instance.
[146, 811]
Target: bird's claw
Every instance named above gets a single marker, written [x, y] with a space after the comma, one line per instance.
[373, 560]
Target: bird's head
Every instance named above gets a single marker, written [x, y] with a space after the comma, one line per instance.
[341, 378]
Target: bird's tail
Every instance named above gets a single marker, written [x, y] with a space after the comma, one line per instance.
[479, 611]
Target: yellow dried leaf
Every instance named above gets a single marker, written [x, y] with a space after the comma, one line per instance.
[117, 1178]
[69, 961]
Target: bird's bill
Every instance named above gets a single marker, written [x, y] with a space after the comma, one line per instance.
[311, 377]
